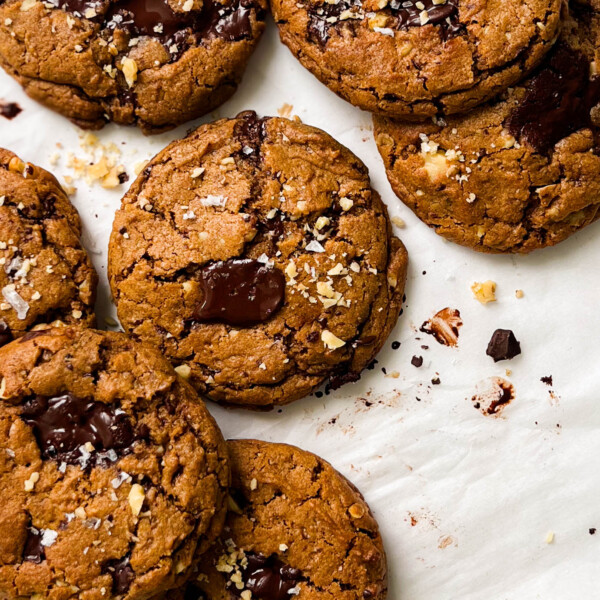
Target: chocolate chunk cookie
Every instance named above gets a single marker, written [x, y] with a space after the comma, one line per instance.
[296, 529]
[514, 175]
[45, 274]
[113, 474]
[155, 63]
[416, 59]
[256, 256]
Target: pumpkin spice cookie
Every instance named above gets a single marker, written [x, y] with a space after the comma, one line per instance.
[518, 174]
[256, 256]
[296, 528]
[417, 59]
[112, 472]
[154, 63]
[45, 274]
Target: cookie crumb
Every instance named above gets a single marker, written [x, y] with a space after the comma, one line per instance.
[285, 110]
[519, 294]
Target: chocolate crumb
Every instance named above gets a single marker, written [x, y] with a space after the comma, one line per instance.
[9, 110]
[417, 361]
[547, 379]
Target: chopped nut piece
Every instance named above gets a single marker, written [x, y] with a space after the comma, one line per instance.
[30, 483]
[136, 498]
[130, 70]
[183, 371]
[331, 341]
[484, 292]
[356, 511]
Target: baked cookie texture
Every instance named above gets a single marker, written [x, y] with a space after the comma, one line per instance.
[256, 256]
[154, 63]
[296, 529]
[113, 474]
[414, 60]
[45, 274]
[518, 174]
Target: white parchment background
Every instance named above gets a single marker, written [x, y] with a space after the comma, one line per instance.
[483, 493]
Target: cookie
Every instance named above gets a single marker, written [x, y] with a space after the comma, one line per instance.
[296, 529]
[518, 174]
[414, 60]
[154, 63]
[45, 274]
[256, 256]
[113, 473]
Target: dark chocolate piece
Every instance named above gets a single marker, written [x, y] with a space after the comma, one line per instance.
[5, 333]
[547, 379]
[9, 110]
[193, 592]
[240, 292]
[417, 361]
[33, 550]
[558, 101]
[250, 131]
[121, 572]
[63, 425]
[268, 578]
[503, 345]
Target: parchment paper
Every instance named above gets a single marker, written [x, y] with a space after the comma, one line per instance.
[467, 503]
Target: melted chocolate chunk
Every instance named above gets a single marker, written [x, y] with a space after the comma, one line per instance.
[558, 101]
[250, 131]
[9, 110]
[121, 572]
[33, 550]
[444, 15]
[5, 333]
[268, 578]
[155, 18]
[503, 345]
[240, 292]
[192, 592]
[63, 425]
[318, 25]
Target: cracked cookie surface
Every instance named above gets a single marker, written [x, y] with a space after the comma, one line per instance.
[287, 216]
[154, 63]
[413, 60]
[45, 274]
[112, 472]
[517, 174]
[296, 528]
